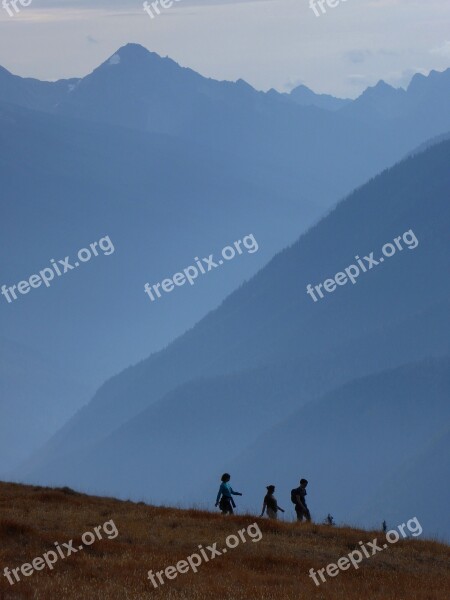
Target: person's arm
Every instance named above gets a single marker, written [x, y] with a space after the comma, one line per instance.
[219, 495]
[235, 493]
[300, 501]
[263, 508]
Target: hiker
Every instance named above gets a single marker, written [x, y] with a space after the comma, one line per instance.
[224, 498]
[298, 498]
[270, 503]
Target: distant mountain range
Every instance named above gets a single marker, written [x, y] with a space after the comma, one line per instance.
[274, 386]
[354, 445]
[303, 96]
[35, 401]
[172, 165]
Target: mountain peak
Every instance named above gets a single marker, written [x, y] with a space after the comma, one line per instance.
[304, 96]
[382, 86]
[132, 49]
[381, 90]
[131, 54]
[135, 56]
[434, 78]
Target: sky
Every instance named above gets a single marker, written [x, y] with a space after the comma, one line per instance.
[268, 43]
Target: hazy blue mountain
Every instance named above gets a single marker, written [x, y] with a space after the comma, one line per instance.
[303, 96]
[139, 89]
[381, 99]
[32, 93]
[31, 390]
[269, 349]
[264, 174]
[224, 411]
[419, 487]
[161, 200]
[172, 165]
[180, 200]
[432, 142]
[425, 102]
[356, 438]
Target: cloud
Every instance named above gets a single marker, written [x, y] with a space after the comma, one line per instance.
[359, 80]
[442, 50]
[403, 78]
[357, 56]
[291, 84]
[129, 4]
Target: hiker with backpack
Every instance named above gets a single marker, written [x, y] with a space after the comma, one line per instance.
[225, 495]
[298, 498]
[270, 503]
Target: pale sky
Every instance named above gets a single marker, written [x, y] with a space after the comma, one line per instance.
[269, 43]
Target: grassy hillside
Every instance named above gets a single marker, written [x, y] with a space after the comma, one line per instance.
[272, 567]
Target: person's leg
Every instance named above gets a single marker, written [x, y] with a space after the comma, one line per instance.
[227, 507]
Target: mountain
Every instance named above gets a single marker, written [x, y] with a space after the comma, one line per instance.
[424, 101]
[162, 202]
[192, 163]
[171, 166]
[432, 142]
[269, 349]
[303, 96]
[355, 441]
[31, 388]
[32, 93]
[419, 486]
[380, 100]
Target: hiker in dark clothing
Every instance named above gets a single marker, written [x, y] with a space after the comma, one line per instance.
[270, 503]
[225, 495]
[298, 498]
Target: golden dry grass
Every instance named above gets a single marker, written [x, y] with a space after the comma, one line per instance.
[275, 568]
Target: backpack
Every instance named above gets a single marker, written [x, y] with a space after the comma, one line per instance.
[294, 494]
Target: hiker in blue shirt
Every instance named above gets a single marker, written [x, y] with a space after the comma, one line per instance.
[224, 498]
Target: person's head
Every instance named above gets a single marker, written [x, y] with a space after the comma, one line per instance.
[303, 482]
[226, 477]
[270, 489]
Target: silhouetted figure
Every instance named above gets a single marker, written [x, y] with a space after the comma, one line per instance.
[298, 498]
[270, 503]
[384, 526]
[329, 520]
[224, 498]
